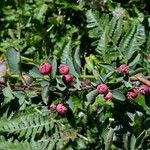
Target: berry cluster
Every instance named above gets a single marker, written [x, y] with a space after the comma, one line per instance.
[60, 108]
[133, 93]
[103, 89]
[46, 68]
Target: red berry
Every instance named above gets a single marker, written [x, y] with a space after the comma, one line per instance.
[102, 88]
[61, 108]
[123, 69]
[63, 69]
[108, 96]
[144, 89]
[52, 107]
[67, 78]
[132, 94]
[45, 68]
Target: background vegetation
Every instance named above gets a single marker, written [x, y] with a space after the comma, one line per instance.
[92, 37]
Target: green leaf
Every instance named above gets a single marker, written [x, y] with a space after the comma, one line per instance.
[126, 39]
[118, 95]
[65, 54]
[103, 77]
[108, 66]
[8, 93]
[118, 31]
[41, 12]
[92, 19]
[60, 85]
[76, 59]
[141, 101]
[136, 71]
[109, 139]
[45, 94]
[91, 97]
[126, 141]
[44, 83]
[135, 61]
[102, 45]
[54, 67]
[20, 96]
[97, 76]
[139, 139]
[71, 68]
[132, 142]
[13, 59]
[34, 72]
[89, 63]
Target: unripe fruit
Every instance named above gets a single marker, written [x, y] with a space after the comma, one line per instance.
[63, 69]
[27, 79]
[45, 68]
[144, 89]
[3, 69]
[132, 94]
[52, 107]
[67, 78]
[108, 96]
[102, 88]
[61, 108]
[123, 69]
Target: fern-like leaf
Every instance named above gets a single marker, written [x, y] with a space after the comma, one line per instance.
[25, 125]
[25, 145]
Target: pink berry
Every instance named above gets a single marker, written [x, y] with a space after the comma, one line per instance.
[102, 88]
[61, 108]
[132, 94]
[63, 69]
[144, 89]
[123, 69]
[45, 68]
[108, 96]
[52, 107]
[67, 78]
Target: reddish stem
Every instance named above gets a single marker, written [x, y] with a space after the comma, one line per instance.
[25, 87]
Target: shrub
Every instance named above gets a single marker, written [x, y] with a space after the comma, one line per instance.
[92, 92]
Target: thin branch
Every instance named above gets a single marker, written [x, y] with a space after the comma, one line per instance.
[143, 80]
[81, 136]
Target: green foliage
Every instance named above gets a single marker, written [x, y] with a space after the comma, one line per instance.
[93, 38]
[13, 59]
[33, 145]
[113, 37]
[25, 125]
